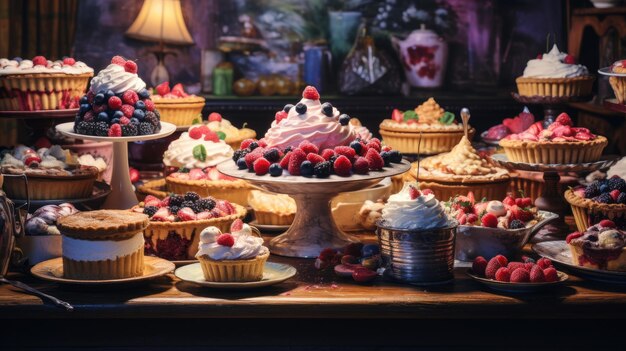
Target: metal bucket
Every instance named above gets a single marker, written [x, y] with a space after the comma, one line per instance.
[418, 256]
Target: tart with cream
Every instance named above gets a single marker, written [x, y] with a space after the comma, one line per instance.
[232, 135]
[601, 246]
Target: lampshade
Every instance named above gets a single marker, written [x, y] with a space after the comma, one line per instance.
[160, 21]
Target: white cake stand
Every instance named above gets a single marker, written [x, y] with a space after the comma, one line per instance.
[122, 194]
[313, 229]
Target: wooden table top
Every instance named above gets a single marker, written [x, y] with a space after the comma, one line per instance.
[313, 293]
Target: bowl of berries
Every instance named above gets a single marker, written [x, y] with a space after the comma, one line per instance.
[488, 228]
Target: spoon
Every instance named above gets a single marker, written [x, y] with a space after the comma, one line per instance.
[33, 291]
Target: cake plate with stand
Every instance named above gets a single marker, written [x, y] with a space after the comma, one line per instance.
[313, 229]
[122, 195]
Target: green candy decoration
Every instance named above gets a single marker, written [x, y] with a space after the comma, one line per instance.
[410, 114]
[199, 152]
[447, 118]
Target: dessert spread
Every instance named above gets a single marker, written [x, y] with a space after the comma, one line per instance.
[414, 209]
[514, 125]
[601, 246]
[176, 106]
[427, 116]
[554, 64]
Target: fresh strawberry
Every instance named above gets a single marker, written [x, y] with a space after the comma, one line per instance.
[397, 115]
[503, 274]
[539, 56]
[462, 218]
[134, 174]
[521, 214]
[215, 117]
[327, 154]
[69, 61]
[151, 200]
[130, 67]
[472, 218]
[550, 274]
[186, 214]
[569, 59]
[494, 264]
[361, 166]
[520, 276]
[363, 275]
[213, 174]
[165, 202]
[374, 160]
[115, 130]
[297, 157]
[314, 158]
[280, 115]
[523, 202]
[489, 220]
[204, 215]
[479, 265]
[246, 143]
[284, 163]
[605, 223]
[118, 60]
[130, 97]
[564, 119]
[161, 215]
[310, 93]
[413, 192]
[342, 166]
[536, 275]
[236, 226]
[308, 147]
[261, 166]
[178, 90]
[427, 191]
[163, 88]
[226, 239]
[40, 61]
[544, 263]
[197, 174]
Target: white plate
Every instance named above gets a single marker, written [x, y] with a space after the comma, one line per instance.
[273, 273]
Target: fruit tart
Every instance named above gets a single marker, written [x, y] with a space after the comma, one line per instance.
[437, 129]
[117, 104]
[509, 126]
[227, 132]
[41, 84]
[602, 199]
[555, 74]
[190, 165]
[177, 220]
[176, 106]
[560, 143]
[272, 209]
[601, 246]
[619, 83]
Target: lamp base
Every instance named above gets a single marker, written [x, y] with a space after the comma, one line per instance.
[159, 74]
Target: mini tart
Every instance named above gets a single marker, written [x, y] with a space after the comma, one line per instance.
[555, 87]
[619, 84]
[50, 184]
[584, 208]
[190, 230]
[550, 152]
[41, 91]
[235, 140]
[180, 111]
[233, 270]
[432, 142]
[270, 215]
[235, 191]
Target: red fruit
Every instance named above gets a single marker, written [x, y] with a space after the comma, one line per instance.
[564, 119]
[472, 218]
[226, 239]
[89, 116]
[529, 265]
[520, 276]
[544, 263]
[374, 160]
[462, 218]
[261, 166]
[253, 156]
[211, 136]
[310, 93]
[161, 215]
[118, 60]
[284, 163]
[327, 154]
[413, 192]
[539, 56]
[550, 274]
[342, 166]
[518, 213]
[197, 174]
[569, 59]
[427, 192]
[327, 254]
[42, 142]
[195, 133]
[489, 220]
[523, 202]
[130, 97]
[280, 115]
[149, 104]
[361, 166]
[363, 275]
[375, 141]
[115, 103]
[69, 61]
[178, 90]
[479, 265]
[130, 67]
[536, 275]
[515, 265]
[397, 115]
[503, 274]
[494, 264]
[314, 158]
[163, 88]
[297, 157]
[186, 214]
[614, 194]
[308, 147]
[134, 175]
[374, 146]
[40, 61]
[346, 151]
[246, 143]
[262, 143]
[124, 120]
[236, 226]
[151, 200]
[605, 223]
[115, 130]
[127, 110]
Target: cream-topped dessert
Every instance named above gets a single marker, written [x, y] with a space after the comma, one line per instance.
[115, 77]
[198, 147]
[66, 66]
[554, 64]
[232, 135]
[412, 209]
[245, 244]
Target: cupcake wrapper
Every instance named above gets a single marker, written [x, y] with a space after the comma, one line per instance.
[179, 114]
[42, 92]
[233, 270]
[583, 209]
[123, 267]
[555, 153]
[445, 191]
[49, 189]
[555, 87]
[271, 218]
[431, 143]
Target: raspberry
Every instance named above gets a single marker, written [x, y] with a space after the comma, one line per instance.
[569, 59]
[261, 166]
[529, 265]
[605, 223]
[115, 130]
[215, 117]
[375, 141]
[130, 97]
[130, 67]
[489, 220]
[413, 192]
[246, 143]
[284, 163]
[89, 116]
[374, 160]
[550, 274]
[118, 60]
[149, 104]
[520, 276]
[69, 61]
[280, 115]
[361, 166]
[295, 160]
[211, 136]
[493, 265]
[503, 274]
[536, 275]
[479, 265]
[262, 143]
[327, 255]
[226, 239]
[310, 93]
[314, 158]
[342, 166]
[327, 154]
[40, 61]
[615, 194]
[515, 265]
[308, 147]
[115, 103]
[374, 146]
[346, 151]
[253, 156]
[124, 120]
[195, 133]
[544, 263]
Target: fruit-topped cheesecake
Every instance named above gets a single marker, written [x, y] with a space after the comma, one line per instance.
[177, 220]
[176, 106]
[117, 104]
[555, 74]
[618, 83]
[601, 246]
[437, 129]
[41, 84]
[514, 125]
[560, 143]
[602, 199]
[190, 165]
[232, 135]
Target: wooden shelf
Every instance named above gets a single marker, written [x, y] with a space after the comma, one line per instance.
[592, 11]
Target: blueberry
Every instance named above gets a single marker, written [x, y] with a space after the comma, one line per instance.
[396, 156]
[84, 108]
[118, 114]
[386, 157]
[241, 163]
[306, 169]
[327, 109]
[140, 105]
[109, 94]
[276, 170]
[253, 145]
[301, 108]
[134, 121]
[370, 250]
[103, 117]
[344, 119]
[287, 107]
[604, 188]
[84, 100]
[99, 99]
[139, 114]
[115, 120]
[356, 146]
[144, 94]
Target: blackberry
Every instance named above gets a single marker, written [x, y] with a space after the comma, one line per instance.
[287, 149]
[272, 155]
[80, 128]
[332, 159]
[174, 209]
[150, 210]
[186, 204]
[191, 196]
[196, 208]
[617, 183]
[396, 156]
[322, 169]
[145, 128]
[592, 190]
[101, 129]
[129, 130]
[176, 200]
[621, 199]
[239, 154]
[152, 118]
[604, 198]
[516, 224]
[206, 204]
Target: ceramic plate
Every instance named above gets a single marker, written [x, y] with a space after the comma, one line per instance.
[52, 270]
[517, 287]
[273, 273]
[270, 227]
[558, 252]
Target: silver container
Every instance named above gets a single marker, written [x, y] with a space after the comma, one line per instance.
[421, 257]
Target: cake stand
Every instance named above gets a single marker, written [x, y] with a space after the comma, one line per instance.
[122, 194]
[552, 106]
[313, 228]
[39, 121]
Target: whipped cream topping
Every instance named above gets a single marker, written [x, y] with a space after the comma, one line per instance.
[27, 67]
[115, 78]
[551, 65]
[323, 131]
[246, 245]
[180, 152]
[99, 250]
[422, 213]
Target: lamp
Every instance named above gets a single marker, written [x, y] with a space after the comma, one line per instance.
[160, 21]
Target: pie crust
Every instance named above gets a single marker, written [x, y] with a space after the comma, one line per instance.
[551, 152]
[555, 87]
[582, 208]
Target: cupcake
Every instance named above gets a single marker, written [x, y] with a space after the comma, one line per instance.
[602, 199]
[237, 256]
[600, 247]
[272, 209]
[227, 132]
[554, 74]
[40, 84]
[103, 245]
[619, 83]
[191, 162]
[560, 143]
[176, 106]
[437, 128]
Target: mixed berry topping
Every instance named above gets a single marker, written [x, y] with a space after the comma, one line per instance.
[355, 260]
[182, 208]
[510, 213]
[606, 191]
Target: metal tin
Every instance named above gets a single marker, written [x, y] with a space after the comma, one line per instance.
[418, 256]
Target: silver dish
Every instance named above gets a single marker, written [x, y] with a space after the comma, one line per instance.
[603, 163]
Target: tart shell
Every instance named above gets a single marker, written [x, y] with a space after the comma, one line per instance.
[555, 87]
[548, 152]
[233, 270]
[103, 224]
[180, 112]
[235, 191]
[432, 142]
[582, 208]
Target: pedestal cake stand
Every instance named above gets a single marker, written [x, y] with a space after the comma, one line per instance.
[313, 228]
[122, 194]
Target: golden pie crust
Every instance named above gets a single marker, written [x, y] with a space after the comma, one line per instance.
[181, 111]
[432, 141]
[583, 207]
[103, 224]
[235, 191]
[551, 152]
[555, 87]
